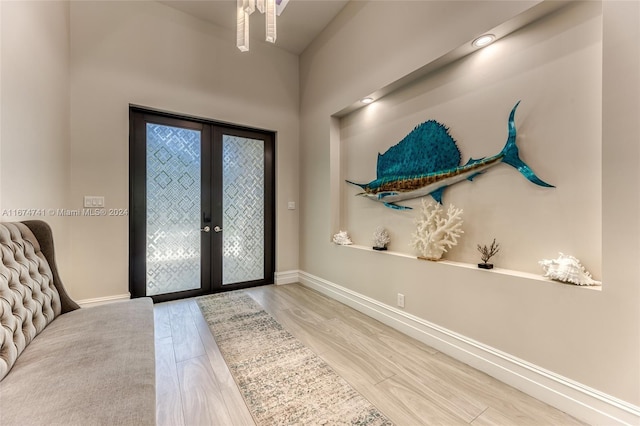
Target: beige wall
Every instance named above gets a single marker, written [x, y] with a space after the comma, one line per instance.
[554, 67]
[592, 337]
[34, 119]
[69, 72]
[148, 54]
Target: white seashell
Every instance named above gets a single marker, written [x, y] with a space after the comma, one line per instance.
[567, 269]
[342, 238]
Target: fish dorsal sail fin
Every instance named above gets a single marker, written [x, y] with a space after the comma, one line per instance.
[426, 149]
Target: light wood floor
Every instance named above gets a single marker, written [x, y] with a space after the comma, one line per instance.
[411, 383]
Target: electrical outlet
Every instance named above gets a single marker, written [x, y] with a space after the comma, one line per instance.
[401, 300]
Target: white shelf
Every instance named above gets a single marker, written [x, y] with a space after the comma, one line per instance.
[501, 271]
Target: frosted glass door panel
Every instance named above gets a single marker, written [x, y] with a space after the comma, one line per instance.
[242, 209]
[173, 209]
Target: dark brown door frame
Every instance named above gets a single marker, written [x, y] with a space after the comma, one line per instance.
[211, 243]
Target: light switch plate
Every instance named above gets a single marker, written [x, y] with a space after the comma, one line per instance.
[93, 202]
[291, 205]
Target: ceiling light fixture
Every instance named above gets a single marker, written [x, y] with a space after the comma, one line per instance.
[270, 8]
[484, 40]
[366, 100]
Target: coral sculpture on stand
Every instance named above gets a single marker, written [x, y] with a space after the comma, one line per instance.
[342, 238]
[436, 232]
[380, 238]
[567, 269]
[487, 253]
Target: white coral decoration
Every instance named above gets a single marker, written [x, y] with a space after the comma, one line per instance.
[381, 237]
[567, 269]
[342, 238]
[436, 232]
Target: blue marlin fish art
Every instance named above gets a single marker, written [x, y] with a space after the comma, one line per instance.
[427, 161]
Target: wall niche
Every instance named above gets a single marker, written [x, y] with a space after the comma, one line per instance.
[553, 65]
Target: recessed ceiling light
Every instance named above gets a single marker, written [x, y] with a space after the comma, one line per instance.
[366, 100]
[484, 40]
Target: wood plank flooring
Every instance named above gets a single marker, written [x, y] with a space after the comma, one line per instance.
[411, 383]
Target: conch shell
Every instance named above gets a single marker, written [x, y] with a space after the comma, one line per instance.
[567, 269]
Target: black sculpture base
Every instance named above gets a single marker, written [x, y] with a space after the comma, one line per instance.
[379, 248]
[485, 265]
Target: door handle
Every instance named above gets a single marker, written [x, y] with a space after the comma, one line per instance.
[205, 229]
[217, 229]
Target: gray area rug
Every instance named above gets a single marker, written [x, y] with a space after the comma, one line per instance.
[282, 381]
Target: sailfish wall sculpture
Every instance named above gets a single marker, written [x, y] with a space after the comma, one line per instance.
[427, 161]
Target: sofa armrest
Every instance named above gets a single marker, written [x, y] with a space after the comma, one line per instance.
[42, 231]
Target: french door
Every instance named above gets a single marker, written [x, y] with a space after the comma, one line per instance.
[201, 206]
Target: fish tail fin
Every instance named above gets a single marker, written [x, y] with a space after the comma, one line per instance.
[510, 154]
[361, 185]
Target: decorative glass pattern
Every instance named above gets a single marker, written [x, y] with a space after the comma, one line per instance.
[173, 209]
[242, 209]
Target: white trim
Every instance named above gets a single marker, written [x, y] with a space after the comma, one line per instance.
[574, 398]
[287, 277]
[86, 303]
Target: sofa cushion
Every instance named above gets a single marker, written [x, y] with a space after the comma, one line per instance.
[28, 298]
[91, 366]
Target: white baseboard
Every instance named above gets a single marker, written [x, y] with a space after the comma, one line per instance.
[574, 398]
[86, 303]
[287, 277]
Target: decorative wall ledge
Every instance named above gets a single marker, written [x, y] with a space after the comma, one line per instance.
[501, 271]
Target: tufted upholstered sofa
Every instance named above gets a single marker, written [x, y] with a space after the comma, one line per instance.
[60, 364]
